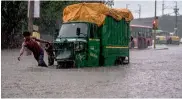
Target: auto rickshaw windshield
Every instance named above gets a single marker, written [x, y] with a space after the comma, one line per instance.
[70, 29]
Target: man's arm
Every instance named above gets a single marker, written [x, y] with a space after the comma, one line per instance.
[21, 51]
[40, 40]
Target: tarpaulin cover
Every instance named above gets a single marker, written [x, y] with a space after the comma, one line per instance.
[94, 12]
[125, 13]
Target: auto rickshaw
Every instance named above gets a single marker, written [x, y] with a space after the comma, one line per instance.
[173, 40]
[161, 40]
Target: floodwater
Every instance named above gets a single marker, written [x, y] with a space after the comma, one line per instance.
[151, 74]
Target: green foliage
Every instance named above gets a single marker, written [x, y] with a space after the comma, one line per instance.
[14, 14]
[51, 14]
[14, 18]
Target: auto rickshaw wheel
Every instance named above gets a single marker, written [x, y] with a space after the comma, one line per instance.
[65, 64]
[119, 60]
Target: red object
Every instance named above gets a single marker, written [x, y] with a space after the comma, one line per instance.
[143, 33]
[154, 22]
[33, 46]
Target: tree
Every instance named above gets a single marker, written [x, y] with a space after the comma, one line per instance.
[13, 13]
[52, 12]
[14, 16]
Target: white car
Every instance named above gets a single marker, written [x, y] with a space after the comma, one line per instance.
[181, 40]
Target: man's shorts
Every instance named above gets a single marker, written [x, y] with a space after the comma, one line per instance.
[40, 59]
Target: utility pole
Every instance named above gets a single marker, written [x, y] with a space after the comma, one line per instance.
[155, 19]
[176, 9]
[30, 20]
[136, 11]
[30, 15]
[110, 3]
[139, 11]
[163, 7]
[127, 6]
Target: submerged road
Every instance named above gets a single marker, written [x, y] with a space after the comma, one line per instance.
[151, 74]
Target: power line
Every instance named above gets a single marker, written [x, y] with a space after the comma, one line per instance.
[135, 11]
[176, 12]
[164, 7]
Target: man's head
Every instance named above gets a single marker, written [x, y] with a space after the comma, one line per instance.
[26, 34]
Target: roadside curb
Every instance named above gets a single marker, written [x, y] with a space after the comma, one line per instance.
[161, 48]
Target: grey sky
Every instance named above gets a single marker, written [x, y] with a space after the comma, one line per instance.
[147, 7]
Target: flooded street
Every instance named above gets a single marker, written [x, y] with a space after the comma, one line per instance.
[151, 73]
